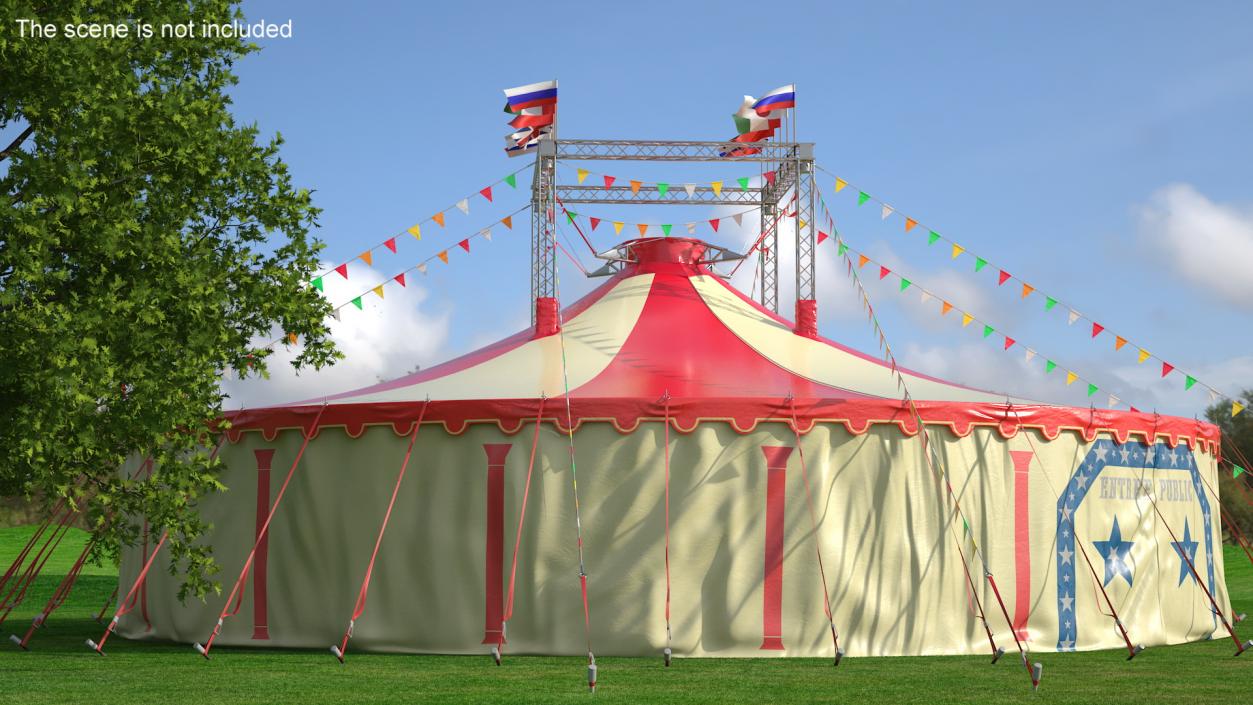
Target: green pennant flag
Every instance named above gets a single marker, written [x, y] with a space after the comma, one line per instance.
[932, 237]
[662, 189]
[1049, 366]
[743, 181]
[1091, 389]
[980, 263]
[512, 180]
[965, 526]
[905, 283]
[570, 215]
[357, 302]
[1187, 383]
[841, 249]
[1236, 470]
[988, 330]
[862, 197]
[317, 284]
[1049, 303]
[665, 228]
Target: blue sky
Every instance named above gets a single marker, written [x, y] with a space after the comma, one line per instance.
[1100, 153]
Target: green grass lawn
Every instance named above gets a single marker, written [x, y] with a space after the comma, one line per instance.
[60, 669]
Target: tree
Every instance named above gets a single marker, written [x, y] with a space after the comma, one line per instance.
[147, 243]
[1237, 449]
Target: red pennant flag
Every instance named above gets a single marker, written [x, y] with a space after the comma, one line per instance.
[714, 224]
[391, 245]
[1003, 278]
[400, 278]
[769, 177]
[1096, 329]
[1009, 342]
[822, 236]
[609, 181]
[487, 193]
[884, 271]
[1166, 368]
[343, 270]
[595, 222]
[1135, 410]
[465, 244]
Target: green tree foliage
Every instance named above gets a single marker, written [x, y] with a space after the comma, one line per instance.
[147, 243]
[1237, 447]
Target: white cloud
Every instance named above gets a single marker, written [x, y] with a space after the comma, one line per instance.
[1230, 376]
[389, 338]
[987, 367]
[1209, 244]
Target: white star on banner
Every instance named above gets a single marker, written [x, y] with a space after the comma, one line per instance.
[1066, 556]
[1068, 604]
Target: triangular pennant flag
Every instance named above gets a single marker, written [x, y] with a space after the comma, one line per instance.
[582, 174]
[512, 180]
[925, 296]
[1188, 381]
[391, 245]
[662, 189]
[713, 223]
[739, 219]
[416, 232]
[822, 236]
[691, 189]
[617, 227]
[465, 244]
[438, 218]
[635, 186]
[743, 182]
[357, 302]
[378, 290]
[957, 250]
[1167, 368]
[932, 237]
[335, 315]
[717, 187]
[1096, 329]
[1119, 341]
[980, 263]
[905, 283]
[1030, 354]
[400, 278]
[800, 224]
[691, 228]
[887, 210]
[367, 257]
[1091, 389]
[570, 215]
[945, 307]
[594, 222]
[507, 221]
[769, 177]
[1236, 470]
[840, 184]
[609, 180]
[343, 270]
[862, 260]
[862, 197]
[909, 224]
[987, 330]
[1072, 317]
[643, 228]
[486, 193]
[486, 233]
[665, 228]
[884, 271]
[1236, 408]
[1002, 278]
[1071, 377]
[1144, 355]
[966, 319]
[317, 284]
[422, 268]
[1009, 342]
[841, 248]
[1049, 303]
[464, 206]
[1113, 401]
[1049, 366]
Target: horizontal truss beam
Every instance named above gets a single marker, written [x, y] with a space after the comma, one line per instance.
[650, 194]
[679, 151]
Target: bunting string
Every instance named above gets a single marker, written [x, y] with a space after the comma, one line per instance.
[663, 187]
[1027, 290]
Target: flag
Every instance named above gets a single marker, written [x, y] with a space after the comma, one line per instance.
[594, 222]
[443, 256]
[1236, 470]
[342, 270]
[416, 232]
[486, 193]
[717, 187]
[540, 116]
[317, 284]
[507, 221]
[378, 290]
[781, 98]
[532, 95]
[400, 278]
[464, 206]
[390, 244]
[840, 184]
[367, 257]
[748, 121]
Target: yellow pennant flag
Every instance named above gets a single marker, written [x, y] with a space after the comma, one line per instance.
[582, 174]
[416, 232]
[957, 250]
[966, 319]
[379, 290]
[643, 228]
[840, 184]
[367, 257]
[507, 221]
[443, 256]
[439, 218]
[1236, 408]
[1071, 377]
[717, 187]
[617, 227]
[1144, 355]
[801, 223]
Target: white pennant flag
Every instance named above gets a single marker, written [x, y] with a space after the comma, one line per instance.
[926, 296]
[1074, 316]
[739, 218]
[1113, 401]
[335, 313]
[464, 206]
[422, 268]
[486, 233]
[1030, 354]
[887, 210]
[1213, 396]
[691, 228]
[690, 188]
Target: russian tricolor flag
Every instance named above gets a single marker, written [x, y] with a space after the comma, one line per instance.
[780, 98]
[532, 95]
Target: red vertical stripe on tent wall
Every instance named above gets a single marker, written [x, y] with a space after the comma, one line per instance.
[260, 625]
[772, 588]
[495, 607]
[1022, 540]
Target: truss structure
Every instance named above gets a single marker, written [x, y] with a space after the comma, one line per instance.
[791, 195]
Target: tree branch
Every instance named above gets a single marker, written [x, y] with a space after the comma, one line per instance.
[30, 130]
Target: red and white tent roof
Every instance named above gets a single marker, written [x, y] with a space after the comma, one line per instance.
[667, 325]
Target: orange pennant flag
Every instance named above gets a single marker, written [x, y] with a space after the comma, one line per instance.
[291, 338]
[635, 186]
[1026, 290]
[443, 256]
[379, 290]
[367, 257]
[507, 221]
[909, 224]
[438, 218]
[945, 308]
[1119, 341]
[642, 226]
[862, 260]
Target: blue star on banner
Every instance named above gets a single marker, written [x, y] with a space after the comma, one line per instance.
[1117, 555]
[1186, 546]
